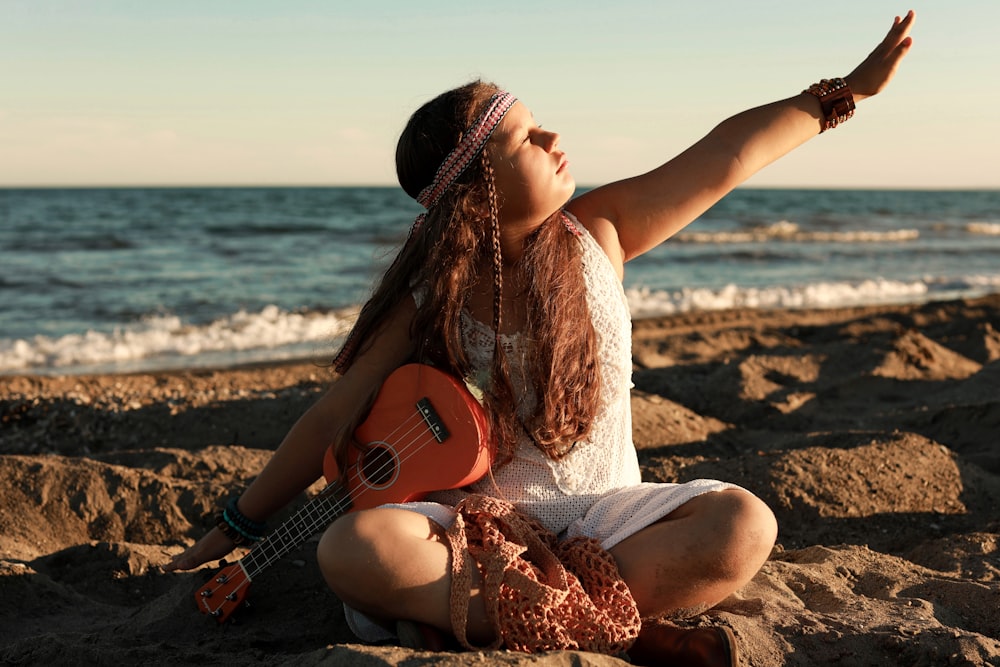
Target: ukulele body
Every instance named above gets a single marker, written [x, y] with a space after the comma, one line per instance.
[425, 432]
[406, 448]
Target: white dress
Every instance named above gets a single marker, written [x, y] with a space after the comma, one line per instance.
[596, 490]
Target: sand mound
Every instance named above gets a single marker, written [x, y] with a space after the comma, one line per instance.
[871, 432]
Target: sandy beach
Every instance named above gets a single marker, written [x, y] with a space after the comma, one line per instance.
[873, 433]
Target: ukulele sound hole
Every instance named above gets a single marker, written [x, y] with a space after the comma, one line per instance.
[379, 465]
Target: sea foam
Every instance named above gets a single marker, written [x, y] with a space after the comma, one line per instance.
[273, 334]
[784, 230]
[161, 342]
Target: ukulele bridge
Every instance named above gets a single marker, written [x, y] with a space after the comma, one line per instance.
[434, 423]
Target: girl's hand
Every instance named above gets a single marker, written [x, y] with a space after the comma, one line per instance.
[213, 546]
[874, 74]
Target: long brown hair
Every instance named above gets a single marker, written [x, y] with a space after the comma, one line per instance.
[457, 241]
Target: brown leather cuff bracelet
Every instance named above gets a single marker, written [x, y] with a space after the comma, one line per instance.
[836, 100]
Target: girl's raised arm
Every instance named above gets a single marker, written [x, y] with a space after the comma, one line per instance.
[635, 215]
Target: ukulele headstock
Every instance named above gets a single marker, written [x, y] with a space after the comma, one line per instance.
[224, 594]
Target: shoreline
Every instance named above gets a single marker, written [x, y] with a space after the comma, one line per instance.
[175, 365]
[871, 431]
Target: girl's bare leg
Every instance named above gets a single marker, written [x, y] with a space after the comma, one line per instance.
[395, 564]
[697, 555]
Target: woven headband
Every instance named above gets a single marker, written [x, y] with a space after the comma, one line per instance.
[468, 149]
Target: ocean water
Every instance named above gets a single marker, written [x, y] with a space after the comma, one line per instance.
[98, 280]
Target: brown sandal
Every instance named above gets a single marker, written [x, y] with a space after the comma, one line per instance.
[423, 637]
[664, 645]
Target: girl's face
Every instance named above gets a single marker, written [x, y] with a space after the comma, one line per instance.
[531, 175]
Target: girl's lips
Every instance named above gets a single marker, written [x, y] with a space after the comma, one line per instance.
[562, 165]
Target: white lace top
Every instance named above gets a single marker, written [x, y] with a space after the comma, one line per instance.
[560, 492]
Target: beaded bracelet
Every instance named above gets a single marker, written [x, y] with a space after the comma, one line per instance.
[836, 100]
[237, 527]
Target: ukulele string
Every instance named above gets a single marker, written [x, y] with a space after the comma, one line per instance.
[329, 505]
[326, 507]
[264, 549]
[416, 445]
[325, 498]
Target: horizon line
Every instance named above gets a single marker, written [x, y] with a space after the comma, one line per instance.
[234, 186]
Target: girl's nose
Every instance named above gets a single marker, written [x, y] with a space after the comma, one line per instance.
[551, 140]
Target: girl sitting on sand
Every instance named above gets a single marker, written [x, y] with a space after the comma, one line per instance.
[510, 282]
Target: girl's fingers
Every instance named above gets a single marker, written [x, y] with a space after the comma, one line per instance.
[872, 75]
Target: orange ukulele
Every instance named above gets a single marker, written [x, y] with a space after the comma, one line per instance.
[425, 432]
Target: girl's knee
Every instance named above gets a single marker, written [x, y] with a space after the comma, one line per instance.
[750, 511]
[747, 530]
[354, 529]
[348, 548]
[369, 552]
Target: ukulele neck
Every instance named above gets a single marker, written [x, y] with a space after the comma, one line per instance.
[310, 519]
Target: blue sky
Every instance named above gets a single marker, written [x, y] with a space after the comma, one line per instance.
[315, 93]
